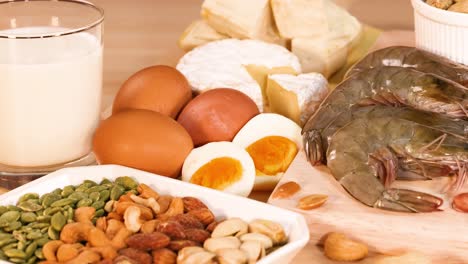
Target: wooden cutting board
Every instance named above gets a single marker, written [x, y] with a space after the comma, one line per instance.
[441, 235]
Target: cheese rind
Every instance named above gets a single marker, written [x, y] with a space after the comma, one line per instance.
[197, 34]
[222, 64]
[296, 97]
[300, 18]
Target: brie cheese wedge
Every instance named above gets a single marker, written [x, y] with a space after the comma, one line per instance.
[198, 33]
[296, 97]
[223, 64]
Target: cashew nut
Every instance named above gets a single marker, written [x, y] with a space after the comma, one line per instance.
[231, 256]
[147, 192]
[101, 223]
[176, 207]
[109, 206]
[75, 232]
[149, 226]
[50, 249]
[118, 242]
[132, 219]
[231, 227]
[84, 214]
[146, 213]
[113, 226]
[115, 216]
[67, 252]
[269, 228]
[85, 257]
[194, 255]
[150, 203]
[106, 252]
[97, 238]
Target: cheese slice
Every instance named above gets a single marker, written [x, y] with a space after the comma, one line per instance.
[223, 64]
[328, 53]
[296, 97]
[260, 74]
[243, 19]
[198, 33]
[300, 18]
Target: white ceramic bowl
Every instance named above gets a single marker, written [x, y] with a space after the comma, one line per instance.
[441, 32]
[222, 204]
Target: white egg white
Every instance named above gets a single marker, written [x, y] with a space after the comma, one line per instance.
[265, 125]
[206, 153]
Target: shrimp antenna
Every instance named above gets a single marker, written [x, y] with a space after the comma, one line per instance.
[437, 141]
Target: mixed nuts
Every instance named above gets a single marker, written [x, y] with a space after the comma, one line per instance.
[460, 6]
[127, 222]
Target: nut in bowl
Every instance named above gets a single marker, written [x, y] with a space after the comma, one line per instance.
[443, 32]
[136, 210]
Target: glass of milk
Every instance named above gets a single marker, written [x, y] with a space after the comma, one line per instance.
[50, 86]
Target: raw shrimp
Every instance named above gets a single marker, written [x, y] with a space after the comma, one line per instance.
[414, 58]
[317, 136]
[365, 155]
[392, 86]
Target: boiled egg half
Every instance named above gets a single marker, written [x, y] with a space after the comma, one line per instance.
[272, 141]
[223, 166]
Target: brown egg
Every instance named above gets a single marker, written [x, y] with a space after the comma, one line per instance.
[217, 115]
[144, 140]
[158, 88]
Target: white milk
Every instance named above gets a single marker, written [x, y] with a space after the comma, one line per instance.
[50, 94]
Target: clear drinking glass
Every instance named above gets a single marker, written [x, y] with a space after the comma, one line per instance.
[50, 86]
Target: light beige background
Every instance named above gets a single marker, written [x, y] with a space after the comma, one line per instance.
[140, 33]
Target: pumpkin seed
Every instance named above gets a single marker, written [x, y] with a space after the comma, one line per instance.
[57, 221]
[127, 182]
[43, 219]
[78, 195]
[29, 206]
[94, 196]
[104, 195]
[13, 208]
[42, 241]
[3, 256]
[70, 213]
[10, 246]
[57, 191]
[116, 192]
[30, 249]
[34, 235]
[85, 202]
[6, 236]
[98, 205]
[63, 202]
[67, 190]
[38, 253]
[133, 191]
[105, 181]
[28, 196]
[28, 217]
[16, 260]
[3, 209]
[31, 260]
[81, 188]
[21, 245]
[15, 253]
[8, 241]
[53, 234]
[96, 188]
[10, 216]
[49, 199]
[13, 226]
[89, 183]
[99, 213]
[39, 225]
[52, 210]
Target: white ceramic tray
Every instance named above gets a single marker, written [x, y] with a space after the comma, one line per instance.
[222, 204]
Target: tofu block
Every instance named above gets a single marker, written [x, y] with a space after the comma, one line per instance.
[296, 97]
[260, 74]
[300, 18]
[198, 33]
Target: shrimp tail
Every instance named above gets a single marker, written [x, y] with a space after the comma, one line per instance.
[313, 146]
[403, 200]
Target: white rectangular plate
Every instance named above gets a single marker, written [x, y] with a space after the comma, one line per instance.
[222, 204]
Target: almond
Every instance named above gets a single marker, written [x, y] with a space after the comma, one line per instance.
[205, 216]
[197, 235]
[138, 255]
[150, 241]
[286, 190]
[172, 229]
[177, 245]
[312, 201]
[187, 221]
[212, 226]
[460, 202]
[164, 256]
[192, 203]
[338, 247]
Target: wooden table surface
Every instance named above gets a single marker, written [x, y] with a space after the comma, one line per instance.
[141, 33]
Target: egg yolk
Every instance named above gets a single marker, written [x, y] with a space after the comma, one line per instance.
[272, 154]
[218, 174]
